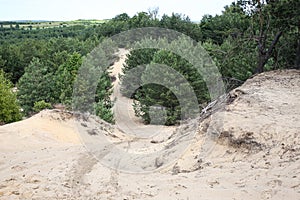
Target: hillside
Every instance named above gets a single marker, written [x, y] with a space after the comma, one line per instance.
[254, 153]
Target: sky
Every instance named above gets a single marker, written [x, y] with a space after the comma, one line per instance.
[65, 10]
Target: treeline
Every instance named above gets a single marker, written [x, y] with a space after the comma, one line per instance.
[247, 38]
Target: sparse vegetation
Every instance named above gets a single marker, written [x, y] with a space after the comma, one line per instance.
[41, 105]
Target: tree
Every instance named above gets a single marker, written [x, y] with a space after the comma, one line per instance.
[142, 19]
[233, 22]
[153, 12]
[131, 79]
[177, 87]
[272, 19]
[13, 57]
[93, 85]
[121, 17]
[235, 58]
[264, 52]
[288, 20]
[181, 23]
[252, 36]
[65, 77]
[159, 95]
[9, 107]
[35, 85]
[103, 104]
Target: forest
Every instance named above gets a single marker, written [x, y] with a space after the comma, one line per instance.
[39, 65]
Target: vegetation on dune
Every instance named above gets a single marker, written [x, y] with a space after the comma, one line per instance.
[41, 105]
[10, 111]
[43, 58]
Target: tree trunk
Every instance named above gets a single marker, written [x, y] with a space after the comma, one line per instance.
[261, 63]
[263, 55]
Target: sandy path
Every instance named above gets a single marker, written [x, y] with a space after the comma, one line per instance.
[125, 118]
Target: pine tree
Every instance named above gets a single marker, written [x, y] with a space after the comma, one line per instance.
[65, 77]
[172, 95]
[35, 85]
[133, 68]
[93, 85]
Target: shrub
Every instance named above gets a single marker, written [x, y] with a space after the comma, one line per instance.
[9, 107]
[41, 105]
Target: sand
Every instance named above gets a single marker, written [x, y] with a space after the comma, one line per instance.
[254, 154]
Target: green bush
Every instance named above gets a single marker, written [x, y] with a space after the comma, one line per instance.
[9, 107]
[41, 105]
[103, 110]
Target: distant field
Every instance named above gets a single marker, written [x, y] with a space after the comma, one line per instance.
[50, 24]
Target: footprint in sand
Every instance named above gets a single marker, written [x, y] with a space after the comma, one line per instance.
[34, 179]
[274, 183]
[18, 168]
[267, 194]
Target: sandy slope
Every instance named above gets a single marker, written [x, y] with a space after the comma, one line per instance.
[124, 113]
[255, 156]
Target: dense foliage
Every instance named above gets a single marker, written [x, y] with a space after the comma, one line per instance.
[167, 98]
[247, 38]
[65, 77]
[37, 84]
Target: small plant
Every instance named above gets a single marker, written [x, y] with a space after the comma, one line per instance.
[41, 105]
[103, 110]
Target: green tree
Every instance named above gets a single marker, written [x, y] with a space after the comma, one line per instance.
[9, 107]
[233, 22]
[103, 104]
[35, 85]
[65, 77]
[93, 85]
[168, 86]
[132, 78]
[141, 19]
[235, 58]
[182, 24]
[271, 21]
[158, 95]
[121, 17]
